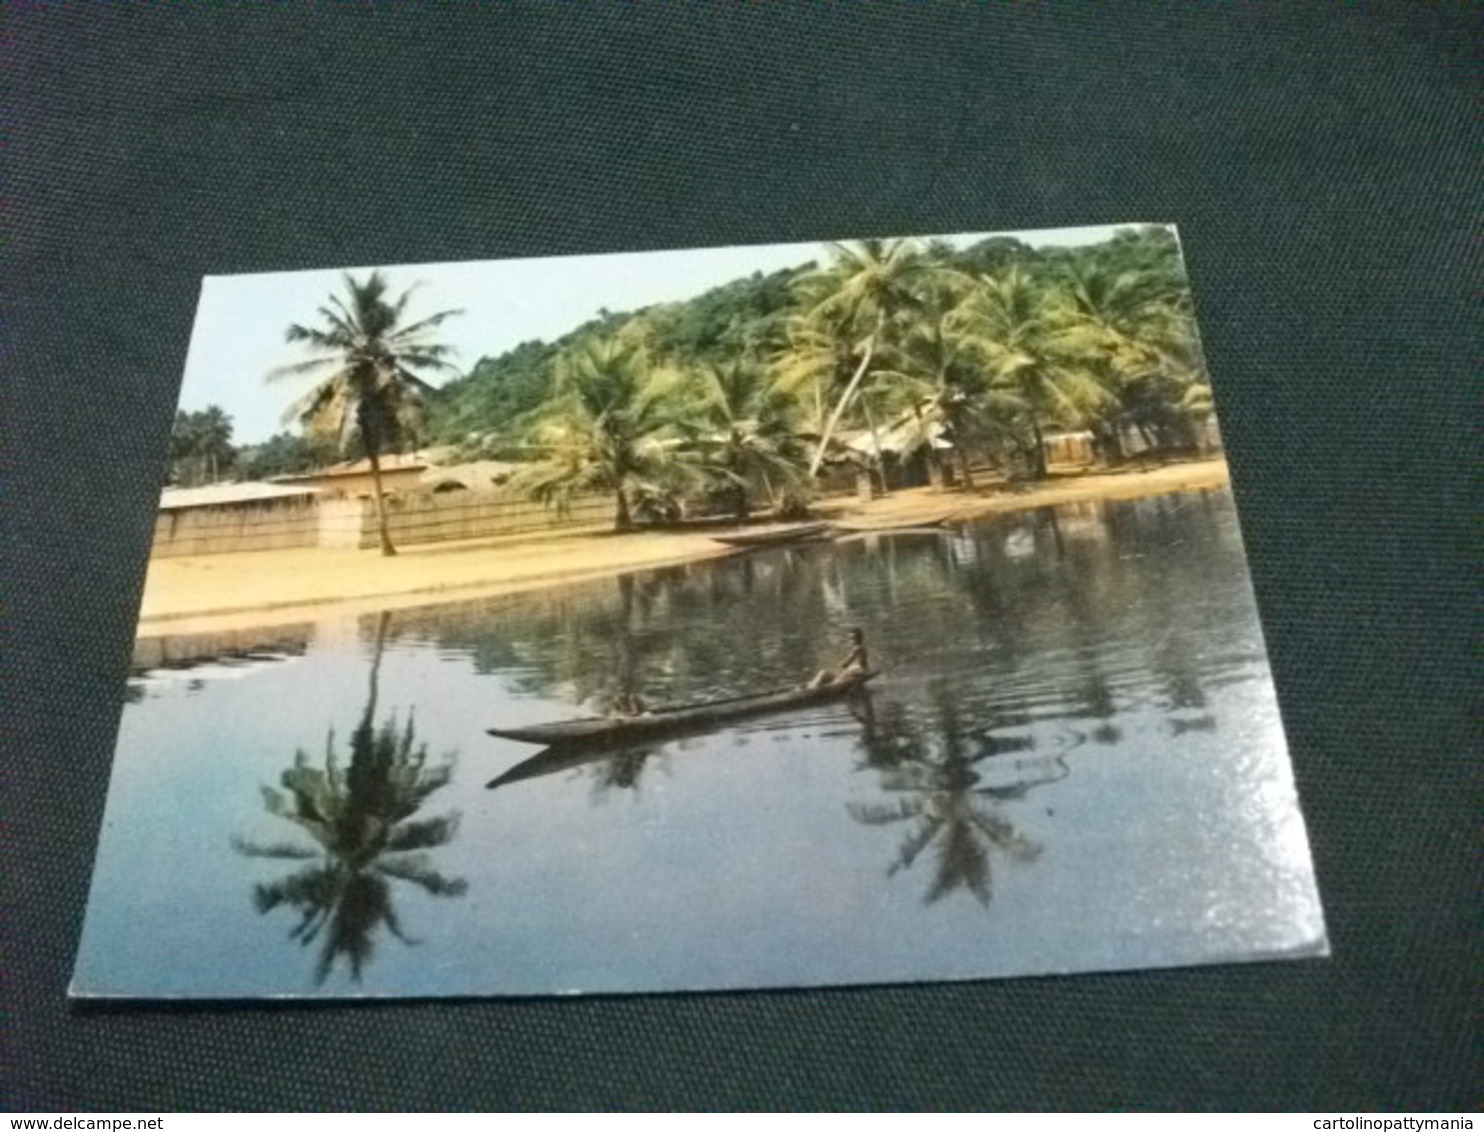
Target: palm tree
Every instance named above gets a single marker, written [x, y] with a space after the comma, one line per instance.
[609, 427]
[868, 286]
[183, 459]
[814, 366]
[742, 427]
[360, 819]
[373, 391]
[201, 445]
[214, 439]
[1010, 320]
[1136, 330]
[945, 389]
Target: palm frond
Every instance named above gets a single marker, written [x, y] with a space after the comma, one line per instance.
[422, 326]
[1006, 837]
[962, 863]
[416, 869]
[426, 834]
[913, 845]
[868, 813]
[277, 850]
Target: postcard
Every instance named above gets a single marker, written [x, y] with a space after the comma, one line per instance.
[860, 612]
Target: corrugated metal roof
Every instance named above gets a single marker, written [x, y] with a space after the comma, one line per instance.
[225, 494]
[893, 438]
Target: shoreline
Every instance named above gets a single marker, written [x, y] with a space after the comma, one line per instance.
[261, 589]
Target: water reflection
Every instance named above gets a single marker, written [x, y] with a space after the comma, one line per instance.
[938, 789]
[199, 659]
[1073, 728]
[609, 769]
[361, 818]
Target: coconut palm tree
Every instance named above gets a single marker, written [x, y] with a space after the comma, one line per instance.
[869, 285]
[741, 425]
[373, 391]
[214, 439]
[1136, 331]
[814, 365]
[944, 390]
[360, 818]
[200, 446]
[609, 427]
[1009, 319]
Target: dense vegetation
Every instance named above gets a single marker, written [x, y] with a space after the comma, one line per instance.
[201, 448]
[889, 353]
[890, 356]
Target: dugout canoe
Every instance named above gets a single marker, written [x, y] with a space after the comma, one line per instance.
[607, 730]
[776, 536]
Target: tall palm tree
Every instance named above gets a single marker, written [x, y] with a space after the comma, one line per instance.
[372, 391]
[870, 283]
[1136, 330]
[184, 462]
[214, 439]
[609, 427]
[1010, 319]
[201, 445]
[944, 390]
[742, 427]
[813, 365]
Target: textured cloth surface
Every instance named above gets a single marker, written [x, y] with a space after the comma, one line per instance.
[1321, 166]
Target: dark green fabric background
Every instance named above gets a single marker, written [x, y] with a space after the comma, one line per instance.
[1320, 163]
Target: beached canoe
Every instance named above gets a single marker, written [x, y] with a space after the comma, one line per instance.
[607, 730]
[776, 535]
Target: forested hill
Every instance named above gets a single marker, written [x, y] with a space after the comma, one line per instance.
[744, 316]
[748, 318]
[757, 319]
[889, 360]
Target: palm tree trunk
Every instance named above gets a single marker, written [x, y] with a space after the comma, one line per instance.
[622, 520]
[845, 398]
[1040, 464]
[875, 444]
[387, 549]
[939, 473]
[964, 474]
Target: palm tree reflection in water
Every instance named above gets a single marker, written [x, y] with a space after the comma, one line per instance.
[948, 803]
[360, 816]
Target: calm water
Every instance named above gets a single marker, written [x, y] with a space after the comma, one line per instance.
[1071, 761]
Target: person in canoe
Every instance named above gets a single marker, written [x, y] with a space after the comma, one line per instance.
[854, 663]
[627, 705]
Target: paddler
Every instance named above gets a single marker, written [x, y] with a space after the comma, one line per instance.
[853, 664]
[627, 705]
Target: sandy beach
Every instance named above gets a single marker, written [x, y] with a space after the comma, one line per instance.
[221, 592]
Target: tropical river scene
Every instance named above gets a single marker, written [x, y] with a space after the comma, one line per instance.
[1021, 716]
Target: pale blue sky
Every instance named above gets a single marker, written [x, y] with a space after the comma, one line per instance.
[240, 320]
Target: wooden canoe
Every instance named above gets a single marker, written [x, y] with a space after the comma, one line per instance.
[610, 730]
[776, 535]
